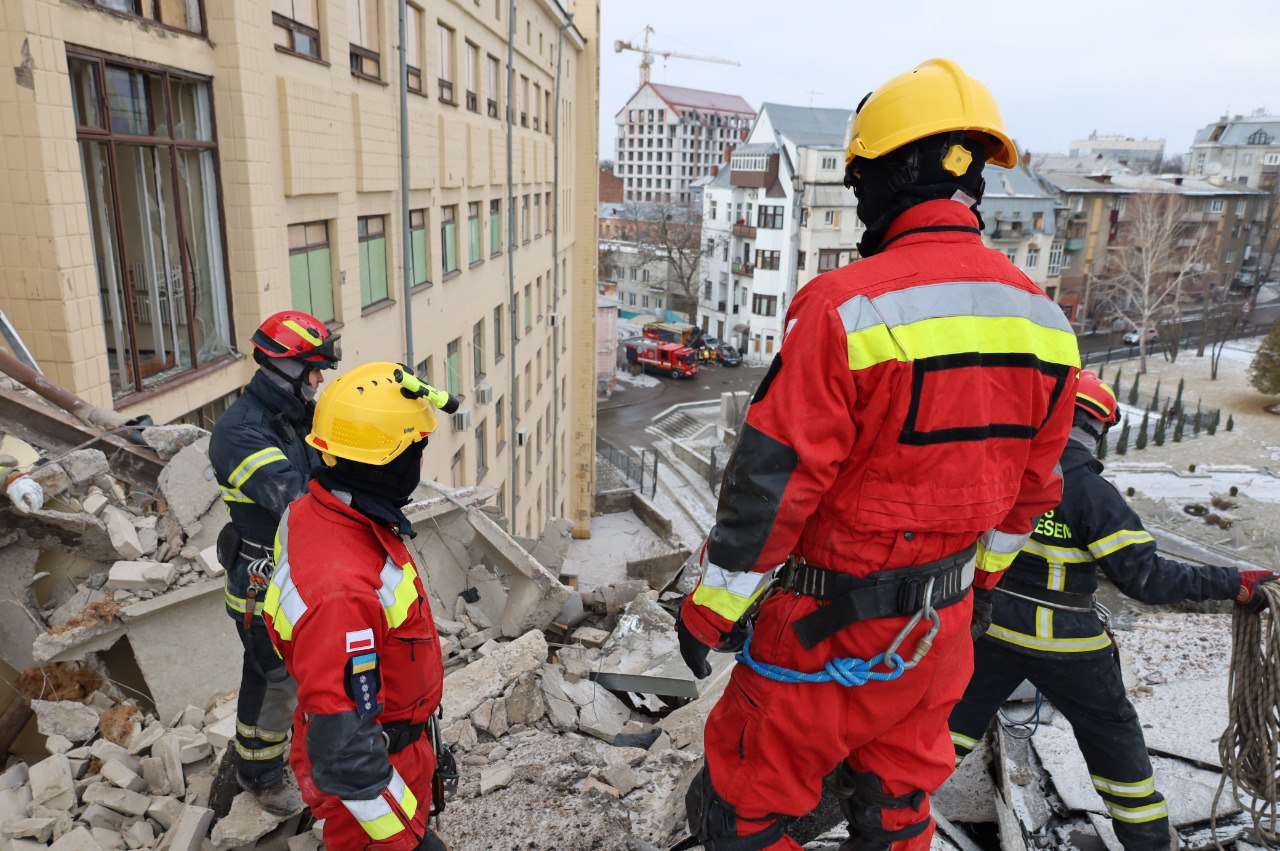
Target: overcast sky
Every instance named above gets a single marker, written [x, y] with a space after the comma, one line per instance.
[1059, 69]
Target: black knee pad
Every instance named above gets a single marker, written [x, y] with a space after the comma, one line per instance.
[714, 823]
[863, 800]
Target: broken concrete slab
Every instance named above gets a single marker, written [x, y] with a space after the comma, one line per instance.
[20, 624]
[168, 750]
[83, 466]
[245, 824]
[525, 704]
[140, 576]
[466, 688]
[52, 479]
[561, 710]
[39, 829]
[188, 827]
[600, 713]
[68, 718]
[114, 798]
[207, 561]
[52, 785]
[642, 654]
[534, 594]
[94, 503]
[123, 534]
[553, 544]
[169, 440]
[968, 795]
[78, 643]
[495, 777]
[78, 839]
[121, 776]
[1184, 719]
[188, 484]
[166, 812]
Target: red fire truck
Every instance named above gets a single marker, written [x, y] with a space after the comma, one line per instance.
[666, 358]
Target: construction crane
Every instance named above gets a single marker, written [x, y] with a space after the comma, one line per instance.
[647, 54]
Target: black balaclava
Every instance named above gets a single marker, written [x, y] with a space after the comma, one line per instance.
[888, 186]
[378, 492]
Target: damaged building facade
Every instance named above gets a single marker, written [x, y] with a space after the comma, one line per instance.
[171, 173]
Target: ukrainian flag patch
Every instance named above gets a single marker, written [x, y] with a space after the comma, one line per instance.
[367, 662]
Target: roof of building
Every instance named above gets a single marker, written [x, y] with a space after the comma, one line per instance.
[1012, 183]
[1238, 129]
[809, 126]
[1134, 184]
[701, 99]
[1088, 164]
[756, 148]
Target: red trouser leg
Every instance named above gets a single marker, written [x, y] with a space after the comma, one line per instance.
[416, 764]
[769, 744]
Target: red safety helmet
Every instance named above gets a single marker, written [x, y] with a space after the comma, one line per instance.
[1096, 398]
[299, 336]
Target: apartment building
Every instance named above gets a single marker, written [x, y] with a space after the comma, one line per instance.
[1020, 215]
[1243, 149]
[173, 171]
[1229, 215]
[669, 136]
[1141, 154]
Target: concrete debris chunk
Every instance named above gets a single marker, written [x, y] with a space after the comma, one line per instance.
[168, 750]
[495, 777]
[187, 483]
[534, 594]
[141, 576]
[96, 815]
[169, 440]
[561, 710]
[590, 636]
[207, 561]
[123, 777]
[140, 834]
[67, 718]
[600, 714]
[245, 824]
[79, 839]
[166, 811]
[123, 534]
[553, 544]
[52, 785]
[157, 779]
[466, 688]
[51, 478]
[58, 744]
[83, 466]
[121, 800]
[525, 704]
[94, 503]
[222, 732]
[621, 777]
[190, 828]
[39, 829]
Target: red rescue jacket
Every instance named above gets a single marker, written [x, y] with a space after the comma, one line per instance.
[919, 402]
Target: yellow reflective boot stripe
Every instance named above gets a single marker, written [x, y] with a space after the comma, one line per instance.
[1118, 541]
[398, 591]
[952, 335]
[261, 753]
[253, 463]
[1140, 789]
[729, 593]
[251, 732]
[963, 741]
[377, 817]
[1056, 645]
[1137, 815]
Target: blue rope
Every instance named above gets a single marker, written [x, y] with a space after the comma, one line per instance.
[846, 672]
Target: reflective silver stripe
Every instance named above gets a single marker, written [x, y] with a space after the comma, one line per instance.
[391, 577]
[740, 583]
[1140, 789]
[290, 599]
[367, 811]
[262, 753]
[959, 298]
[963, 741]
[1004, 543]
[1138, 815]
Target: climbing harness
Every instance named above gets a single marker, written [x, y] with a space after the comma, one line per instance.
[1249, 745]
[852, 672]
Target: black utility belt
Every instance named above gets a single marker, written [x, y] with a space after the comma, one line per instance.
[883, 594]
[253, 550]
[398, 735]
[1063, 601]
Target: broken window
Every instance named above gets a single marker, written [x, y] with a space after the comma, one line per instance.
[311, 270]
[150, 169]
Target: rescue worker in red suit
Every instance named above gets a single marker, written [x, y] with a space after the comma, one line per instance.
[347, 610]
[897, 453]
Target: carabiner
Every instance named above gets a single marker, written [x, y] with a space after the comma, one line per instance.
[925, 643]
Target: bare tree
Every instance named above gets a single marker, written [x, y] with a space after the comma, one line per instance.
[670, 234]
[1161, 252]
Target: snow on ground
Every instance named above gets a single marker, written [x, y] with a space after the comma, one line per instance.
[1179, 487]
[615, 539]
[640, 379]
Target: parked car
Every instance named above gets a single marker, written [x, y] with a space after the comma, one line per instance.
[1131, 338]
[728, 355]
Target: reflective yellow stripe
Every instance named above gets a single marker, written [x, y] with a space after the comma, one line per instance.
[1065, 555]
[1056, 645]
[1044, 622]
[253, 463]
[261, 754]
[1102, 406]
[234, 495]
[1118, 541]
[729, 593]
[250, 732]
[1140, 789]
[993, 562]
[1057, 576]
[239, 604]
[309, 336]
[376, 816]
[398, 591]
[1137, 815]
[951, 335]
[961, 740]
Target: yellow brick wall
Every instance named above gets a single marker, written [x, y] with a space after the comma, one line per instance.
[302, 141]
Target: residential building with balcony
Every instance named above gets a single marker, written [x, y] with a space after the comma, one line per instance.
[171, 173]
[1097, 209]
[1243, 149]
[1021, 221]
[669, 136]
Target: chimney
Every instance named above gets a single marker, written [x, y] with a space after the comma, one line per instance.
[728, 152]
[715, 169]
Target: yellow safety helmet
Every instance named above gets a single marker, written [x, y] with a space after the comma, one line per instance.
[937, 96]
[364, 416]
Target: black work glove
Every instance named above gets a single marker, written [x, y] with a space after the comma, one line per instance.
[982, 598]
[692, 651]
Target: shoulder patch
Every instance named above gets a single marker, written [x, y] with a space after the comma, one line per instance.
[359, 640]
[363, 680]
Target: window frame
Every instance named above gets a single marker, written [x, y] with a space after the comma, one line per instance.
[155, 21]
[307, 249]
[447, 37]
[475, 235]
[360, 51]
[361, 239]
[471, 74]
[448, 216]
[111, 139]
[495, 85]
[495, 227]
[421, 213]
[413, 72]
[293, 27]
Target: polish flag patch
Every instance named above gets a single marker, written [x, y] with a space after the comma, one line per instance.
[359, 641]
